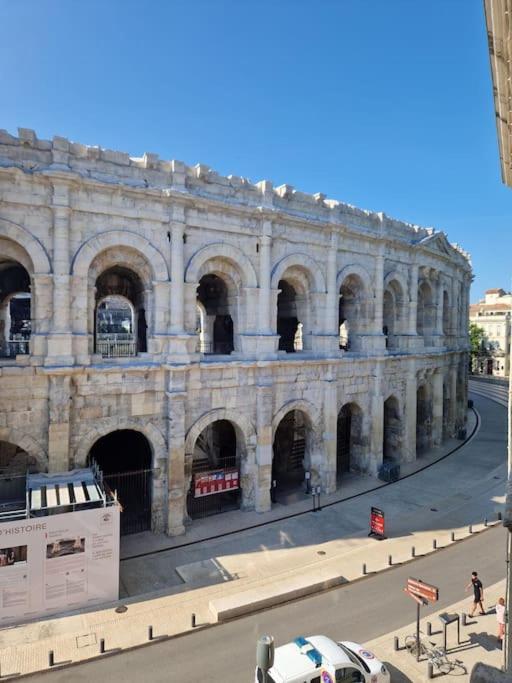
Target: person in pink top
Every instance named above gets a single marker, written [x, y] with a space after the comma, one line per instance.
[500, 618]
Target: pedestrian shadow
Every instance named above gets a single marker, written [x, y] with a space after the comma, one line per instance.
[397, 676]
[488, 642]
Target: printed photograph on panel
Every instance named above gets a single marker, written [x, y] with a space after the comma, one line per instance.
[13, 556]
[65, 546]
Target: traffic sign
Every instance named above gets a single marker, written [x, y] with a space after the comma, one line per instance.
[420, 601]
[422, 590]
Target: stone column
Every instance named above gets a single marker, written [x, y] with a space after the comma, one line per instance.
[60, 344]
[413, 299]
[452, 407]
[264, 402]
[439, 308]
[331, 305]
[328, 468]
[379, 291]
[177, 277]
[59, 400]
[437, 408]
[411, 388]
[176, 485]
[265, 265]
[377, 421]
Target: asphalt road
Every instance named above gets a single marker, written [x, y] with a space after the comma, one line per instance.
[359, 611]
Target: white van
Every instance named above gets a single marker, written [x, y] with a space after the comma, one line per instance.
[318, 659]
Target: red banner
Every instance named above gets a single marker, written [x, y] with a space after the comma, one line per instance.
[215, 481]
[377, 522]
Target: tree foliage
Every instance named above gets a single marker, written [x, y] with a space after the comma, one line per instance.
[477, 340]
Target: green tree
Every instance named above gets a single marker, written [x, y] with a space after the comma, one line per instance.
[477, 343]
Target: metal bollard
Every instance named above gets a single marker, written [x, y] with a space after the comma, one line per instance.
[470, 529]
[396, 644]
[485, 521]
[499, 516]
[193, 620]
[453, 536]
[429, 628]
[102, 646]
[150, 633]
[463, 618]
[434, 544]
[413, 551]
[51, 658]
[430, 670]
[390, 560]
[364, 568]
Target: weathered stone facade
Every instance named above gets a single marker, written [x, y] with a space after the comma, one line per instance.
[269, 260]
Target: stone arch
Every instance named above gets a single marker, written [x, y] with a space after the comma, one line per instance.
[306, 407]
[221, 251]
[27, 443]
[355, 269]
[242, 422]
[303, 262]
[401, 279]
[153, 435]
[350, 440]
[393, 428]
[88, 251]
[39, 258]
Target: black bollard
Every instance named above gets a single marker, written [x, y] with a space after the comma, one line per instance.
[390, 560]
[463, 618]
[470, 528]
[150, 633]
[429, 628]
[102, 646]
[413, 551]
[364, 568]
[434, 544]
[453, 536]
[499, 516]
[430, 670]
[193, 620]
[51, 658]
[396, 643]
[485, 521]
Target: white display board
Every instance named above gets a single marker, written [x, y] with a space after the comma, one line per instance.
[57, 563]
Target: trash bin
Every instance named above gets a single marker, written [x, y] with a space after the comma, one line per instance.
[389, 471]
[470, 402]
[461, 434]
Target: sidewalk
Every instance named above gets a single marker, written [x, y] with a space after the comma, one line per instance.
[478, 641]
[219, 578]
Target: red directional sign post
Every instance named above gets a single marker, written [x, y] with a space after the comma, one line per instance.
[377, 523]
[422, 593]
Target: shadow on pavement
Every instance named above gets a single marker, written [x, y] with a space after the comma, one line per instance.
[397, 676]
[488, 642]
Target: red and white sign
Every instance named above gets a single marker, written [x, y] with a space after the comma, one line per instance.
[215, 481]
[422, 590]
[377, 522]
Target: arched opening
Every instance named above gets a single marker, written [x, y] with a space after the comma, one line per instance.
[120, 317]
[125, 458]
[348, 439]
[15, 309]
[425, 318]
[290, 454]
[423, 420]
[215, 321]
[289, 327]
[393, 314]
[392, 442]
[214, 486]
[14, 460]
[446, 313]
[351, 312]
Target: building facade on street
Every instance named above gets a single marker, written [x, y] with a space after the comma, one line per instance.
[492, 315]
[209, 342]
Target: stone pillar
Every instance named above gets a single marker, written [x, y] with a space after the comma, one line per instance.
[264, 404]
[328, 467]
[377, 421]
[331, 305]
[379, 292]
[176, 485]
[413, 299]
[60, 341]
[439, 308]
[452, 408]
[41, 313]
[437, 408]
[59, 400]
[177, 277]
[264, 323]
[411, 389]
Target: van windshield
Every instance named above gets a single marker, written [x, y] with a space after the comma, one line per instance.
[354, 658]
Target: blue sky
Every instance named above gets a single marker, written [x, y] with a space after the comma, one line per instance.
[385, 105]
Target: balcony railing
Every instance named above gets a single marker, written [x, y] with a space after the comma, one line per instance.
[211, 348]
[12, 347]
[116, 345]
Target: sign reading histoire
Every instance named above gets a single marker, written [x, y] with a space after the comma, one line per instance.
[377, 522]
[58, 562]
[215, 481]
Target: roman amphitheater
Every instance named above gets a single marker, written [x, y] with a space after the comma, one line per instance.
[197, 334]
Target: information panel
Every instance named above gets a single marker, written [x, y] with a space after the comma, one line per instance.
[58, 562]
[215, 481]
